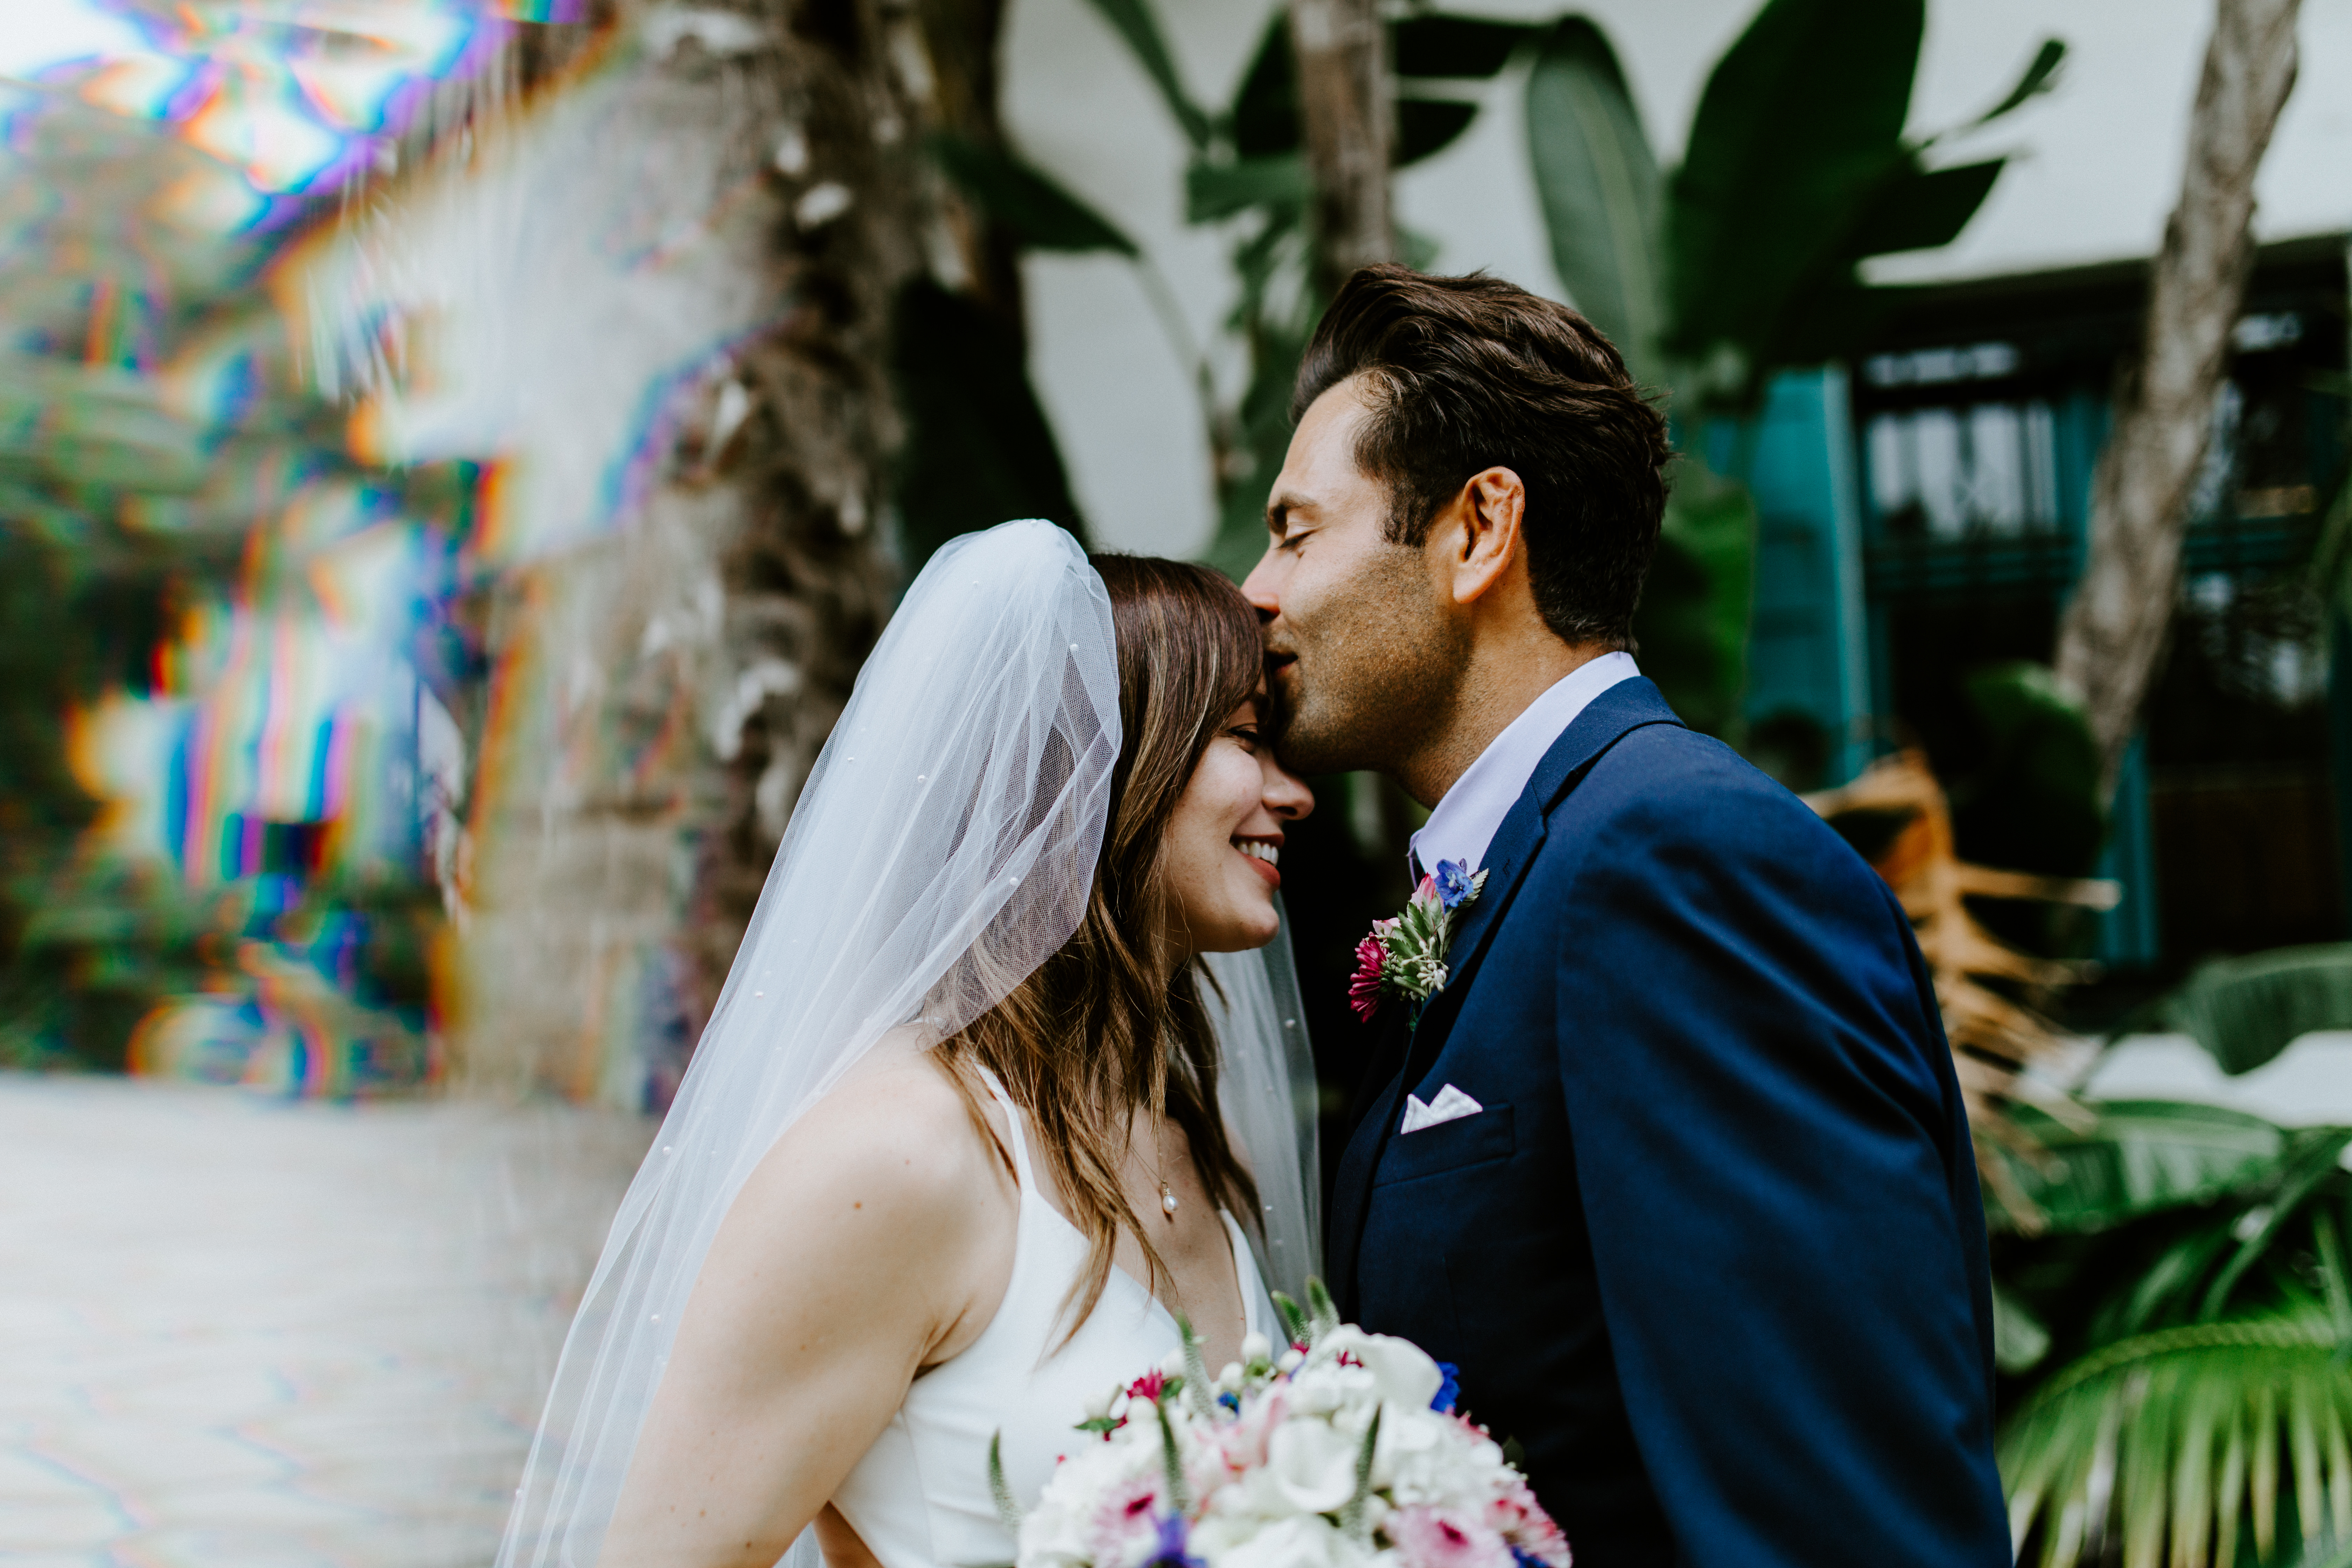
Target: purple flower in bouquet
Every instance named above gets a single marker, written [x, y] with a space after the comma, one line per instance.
[1170, 1553]
[1273, 1463]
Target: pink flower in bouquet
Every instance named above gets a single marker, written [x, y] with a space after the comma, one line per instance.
[1266, 1468]
[1441, 1537]
[1372, 957]
[1123, 1514]
[1516, 1514]
[1241, 1444]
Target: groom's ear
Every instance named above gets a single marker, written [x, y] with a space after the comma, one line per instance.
[1480, 528]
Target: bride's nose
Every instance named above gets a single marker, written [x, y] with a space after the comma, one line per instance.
[1283, 793]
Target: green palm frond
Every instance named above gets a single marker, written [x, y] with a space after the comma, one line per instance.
[2164, 1445]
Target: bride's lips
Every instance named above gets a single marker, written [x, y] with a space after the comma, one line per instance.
[1264, 868]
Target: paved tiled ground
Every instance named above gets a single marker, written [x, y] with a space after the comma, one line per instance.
[237, 1332]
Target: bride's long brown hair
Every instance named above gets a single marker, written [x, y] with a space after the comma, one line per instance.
[1108, 1024]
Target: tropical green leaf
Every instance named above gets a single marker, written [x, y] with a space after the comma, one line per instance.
[1692, 622]
[1919, 209]
[2141, 1157]
[1801, 123]
[2245, 1011]
[979, 448]
[2331, 553]
[2167, 1291]
[1435, 44]
[2040, 75]
[2036, 803]
[2019, 1338]
[2312, 1162]
[1598, 185]
[2171, 1443]
[1139, 28]
[1427, 126]
[1212, 191]
[1263, 118]
[1026, 200]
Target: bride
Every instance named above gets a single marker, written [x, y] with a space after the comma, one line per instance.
[967, 1131]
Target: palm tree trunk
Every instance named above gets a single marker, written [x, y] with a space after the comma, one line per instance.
[806, 581]
[1345, 102]
[2113, 631]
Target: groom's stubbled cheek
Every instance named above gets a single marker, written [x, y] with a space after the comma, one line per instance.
[1375, 658]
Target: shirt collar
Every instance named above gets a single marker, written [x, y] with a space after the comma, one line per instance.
[1463, 823]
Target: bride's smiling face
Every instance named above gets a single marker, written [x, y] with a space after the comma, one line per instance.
[1219, 861]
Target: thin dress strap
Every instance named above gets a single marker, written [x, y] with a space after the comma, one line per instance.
[1013, 1124]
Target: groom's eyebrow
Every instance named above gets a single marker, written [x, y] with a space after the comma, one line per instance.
[1278, 510]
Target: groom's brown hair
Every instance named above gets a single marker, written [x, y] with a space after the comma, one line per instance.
[1465, 374]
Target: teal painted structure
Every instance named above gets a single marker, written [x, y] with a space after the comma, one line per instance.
[1807, 650]
[1817, 646]
[2130, 936]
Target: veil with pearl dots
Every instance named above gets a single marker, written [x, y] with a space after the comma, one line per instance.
[942, 848]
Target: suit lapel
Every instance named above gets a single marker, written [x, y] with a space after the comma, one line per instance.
[1628, 706]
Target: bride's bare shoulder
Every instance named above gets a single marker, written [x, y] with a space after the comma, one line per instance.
[896, 1139]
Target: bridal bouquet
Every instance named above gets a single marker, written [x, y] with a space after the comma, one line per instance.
[1342, 1452]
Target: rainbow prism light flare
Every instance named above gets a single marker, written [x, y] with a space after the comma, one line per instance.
[278, 788]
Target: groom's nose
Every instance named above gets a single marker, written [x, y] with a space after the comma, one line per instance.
[1261, 587]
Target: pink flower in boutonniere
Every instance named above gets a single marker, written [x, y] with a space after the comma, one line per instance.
[1406, 956]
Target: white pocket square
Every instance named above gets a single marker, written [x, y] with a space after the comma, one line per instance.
[1451, 1105]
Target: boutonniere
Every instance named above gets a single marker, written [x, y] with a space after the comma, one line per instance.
[1406, 956]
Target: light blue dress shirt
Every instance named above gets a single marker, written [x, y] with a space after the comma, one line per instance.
[1463, 823]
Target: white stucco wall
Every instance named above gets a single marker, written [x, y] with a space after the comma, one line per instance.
[2096, 170]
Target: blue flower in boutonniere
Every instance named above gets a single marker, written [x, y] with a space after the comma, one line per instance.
[1406, 956]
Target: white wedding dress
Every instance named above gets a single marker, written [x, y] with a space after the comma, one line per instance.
[942, 848]
[920, 1497]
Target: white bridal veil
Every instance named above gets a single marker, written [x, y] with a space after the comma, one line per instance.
[943, 847]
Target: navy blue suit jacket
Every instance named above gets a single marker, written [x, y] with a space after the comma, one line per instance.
[1712, 1251]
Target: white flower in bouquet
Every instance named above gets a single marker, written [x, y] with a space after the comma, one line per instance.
[1344, 1452]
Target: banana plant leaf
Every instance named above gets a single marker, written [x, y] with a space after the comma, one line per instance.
[2036, 803]
[1922, 208]
[1599, 187]
[1800, 121]
[2141, 1157]
[1692, 623]
[2245, 1011]
[1214, 191]
[1264, 117]
[978, 449]
[1138, 27]
[1026, 200]
[1433, 44]
[1427, 126]
[2041, 75]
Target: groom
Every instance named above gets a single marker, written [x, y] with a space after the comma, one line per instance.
[1673, 1167]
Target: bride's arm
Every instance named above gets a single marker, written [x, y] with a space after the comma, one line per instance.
[874, 1239]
